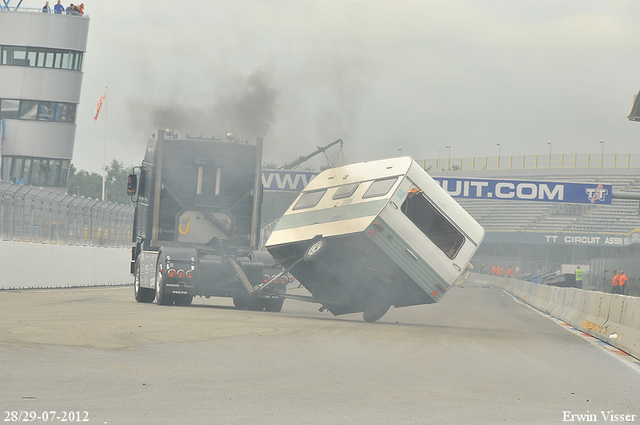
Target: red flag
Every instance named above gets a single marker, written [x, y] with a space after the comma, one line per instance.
[99, 106]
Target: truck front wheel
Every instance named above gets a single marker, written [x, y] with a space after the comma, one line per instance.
[142, 295]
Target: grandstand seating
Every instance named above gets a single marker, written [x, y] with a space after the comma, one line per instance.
[522, 216]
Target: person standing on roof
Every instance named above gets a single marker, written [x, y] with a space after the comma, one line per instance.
[623, 282]
[58, 8]
[578, 277]
[46, 8]
[615, 284]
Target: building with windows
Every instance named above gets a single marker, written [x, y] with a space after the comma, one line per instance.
[41, 57]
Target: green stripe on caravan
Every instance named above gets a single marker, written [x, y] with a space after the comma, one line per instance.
[326, 215]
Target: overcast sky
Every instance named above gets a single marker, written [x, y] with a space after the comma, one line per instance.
[378, 74]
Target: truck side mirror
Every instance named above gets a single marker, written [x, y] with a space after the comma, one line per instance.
[132, 184]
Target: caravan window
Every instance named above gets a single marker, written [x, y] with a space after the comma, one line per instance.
[309, 199]
[345, 191]
[433, 224]
[379, 188]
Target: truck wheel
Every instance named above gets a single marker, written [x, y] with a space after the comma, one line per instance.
[184, 300]
[142, 295]
[161, 297]
[256, 304]
[314, 249]
[274, 304]
[375, 311]
[240, 302]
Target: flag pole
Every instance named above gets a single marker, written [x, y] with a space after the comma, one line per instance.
[104, 160]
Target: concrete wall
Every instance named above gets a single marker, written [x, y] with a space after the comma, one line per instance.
[35, 265]
[614, 319]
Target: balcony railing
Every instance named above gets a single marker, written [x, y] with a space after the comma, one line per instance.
[522, 162]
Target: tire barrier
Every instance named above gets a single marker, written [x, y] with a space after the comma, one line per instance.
[612, 318]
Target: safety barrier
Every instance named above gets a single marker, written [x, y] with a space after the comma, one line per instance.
[612, 318]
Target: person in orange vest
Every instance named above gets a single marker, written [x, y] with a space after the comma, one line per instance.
[615, 286]
[494, 270]
[510, 272]
[500, 271]
[622, 282]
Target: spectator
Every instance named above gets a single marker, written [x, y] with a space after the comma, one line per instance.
[578, 278]
[46, 8]
[81, 9]
[58, 8]
[71, 9]
[623, 282]
[615, 284]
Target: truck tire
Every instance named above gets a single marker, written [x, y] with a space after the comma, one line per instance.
[241, 302]
[273, 304]
[161, 297]
[142, 295]
[183, 300]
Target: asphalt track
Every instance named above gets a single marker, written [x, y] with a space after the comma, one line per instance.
[477, 357]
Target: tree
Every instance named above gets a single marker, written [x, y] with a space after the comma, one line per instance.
[89, 185]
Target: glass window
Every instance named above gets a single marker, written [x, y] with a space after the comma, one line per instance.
[54, 171]
[79, 62]
[28, 110]
[40, 167]
[62, 112]
[66, 60]
[9, 108]
[47, 111]
[58, 60]
[72, 113]
[32, 57]
[16, 172]
[6, 168]
[48, 62]
[26, 170]
[142, 184]
[345, 191]
[16, 56]
[41, 56]
[4, 56]
[379, 188]
[433, 224]
[309, 199]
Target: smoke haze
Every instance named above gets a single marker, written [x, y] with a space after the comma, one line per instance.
[413, 74]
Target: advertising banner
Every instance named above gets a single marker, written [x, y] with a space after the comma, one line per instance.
[286, 180]
[521, 190]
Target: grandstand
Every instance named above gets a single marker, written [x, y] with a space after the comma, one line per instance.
[535, 234]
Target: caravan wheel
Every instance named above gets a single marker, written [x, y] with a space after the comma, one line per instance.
[314, 249]
[375, 311]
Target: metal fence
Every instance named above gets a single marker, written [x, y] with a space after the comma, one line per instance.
[32, 214]
[523, 162]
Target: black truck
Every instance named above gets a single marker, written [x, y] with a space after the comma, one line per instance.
[197, 223]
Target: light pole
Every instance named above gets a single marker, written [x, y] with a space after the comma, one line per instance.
[498, 143]
[400, 149]
[449, 161]
[602, 154]
[549, 143]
